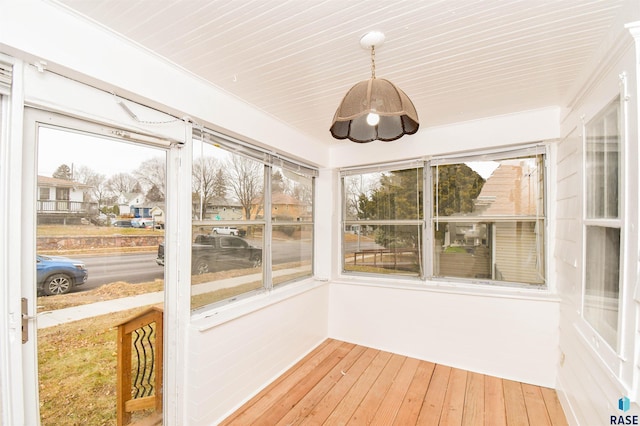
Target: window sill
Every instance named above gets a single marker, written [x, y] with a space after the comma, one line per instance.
[221, 314]
[452, 287]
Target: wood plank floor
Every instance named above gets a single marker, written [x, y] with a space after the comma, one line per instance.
[345, 384]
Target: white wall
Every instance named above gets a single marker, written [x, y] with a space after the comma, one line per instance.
[231, 360]
[504, 130]
[512, 337]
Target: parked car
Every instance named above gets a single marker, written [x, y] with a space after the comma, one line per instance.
[122, 223]
[58, 275]
[142, 222]
[228, 230]
[212, 253]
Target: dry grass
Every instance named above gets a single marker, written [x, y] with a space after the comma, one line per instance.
[77, 371]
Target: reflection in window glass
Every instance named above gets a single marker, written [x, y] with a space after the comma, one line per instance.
[489, 220]
[602, 284]
[603, 162]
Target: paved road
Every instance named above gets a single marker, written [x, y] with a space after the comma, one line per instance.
[129, 267]
[141, 267]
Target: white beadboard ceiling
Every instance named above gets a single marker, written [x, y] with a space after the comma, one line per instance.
[457, 60]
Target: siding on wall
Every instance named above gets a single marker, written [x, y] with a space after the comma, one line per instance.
[589, 389]
[517, 258]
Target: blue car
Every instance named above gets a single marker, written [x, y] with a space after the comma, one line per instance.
[58, 275]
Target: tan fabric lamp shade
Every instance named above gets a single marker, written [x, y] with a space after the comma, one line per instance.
[374, 109]
[397, 115]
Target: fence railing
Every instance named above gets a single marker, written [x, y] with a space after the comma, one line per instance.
[382, 257]
[140, 365]
[66, 206]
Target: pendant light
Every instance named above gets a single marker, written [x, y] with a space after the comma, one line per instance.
[374, 109]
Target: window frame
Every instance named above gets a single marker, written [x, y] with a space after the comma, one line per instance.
[428, 217]
[420, 222]
[612, 356]
[493, 155]
[269, 160]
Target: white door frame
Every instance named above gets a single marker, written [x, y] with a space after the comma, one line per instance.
[18, 362]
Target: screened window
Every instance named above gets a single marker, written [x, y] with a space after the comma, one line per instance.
[603, 224]
[489, 218]
[252, 223]
[383, 222]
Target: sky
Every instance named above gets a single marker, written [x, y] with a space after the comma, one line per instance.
[105, 156]
[483, 168]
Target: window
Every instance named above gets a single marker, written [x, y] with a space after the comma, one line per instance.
[485, 218]
[252, 223]
[383, 221]
[489, 218]
[44, 194]
[292, 224]
[603, 223]
[63, 194]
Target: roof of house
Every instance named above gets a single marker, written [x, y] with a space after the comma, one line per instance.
[60, 183]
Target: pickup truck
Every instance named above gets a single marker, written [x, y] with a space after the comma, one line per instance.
[228, 230]
[212, 253]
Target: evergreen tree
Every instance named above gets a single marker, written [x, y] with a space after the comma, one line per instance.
[63, 172]
[220, 185]
[457, 188]
[154, 194]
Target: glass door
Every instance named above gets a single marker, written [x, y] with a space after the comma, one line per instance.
[99, 212]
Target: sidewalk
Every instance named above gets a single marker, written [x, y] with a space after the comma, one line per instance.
[61, 316]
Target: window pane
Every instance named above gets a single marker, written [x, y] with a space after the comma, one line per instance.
[292, 253]
[512, 187]
[462, 249]
[394, 195]
[602, 164]
[383, 249]
[227, 193]
[292, 225]
[292, 196]
[602, 284]
[502, 251]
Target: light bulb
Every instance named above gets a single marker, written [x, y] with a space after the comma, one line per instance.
[373, 119]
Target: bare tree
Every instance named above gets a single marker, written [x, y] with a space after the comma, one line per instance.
[121, 183]
[152, 172]
[358, 188]
[245, 179]
[96, 181]
[204, 173]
